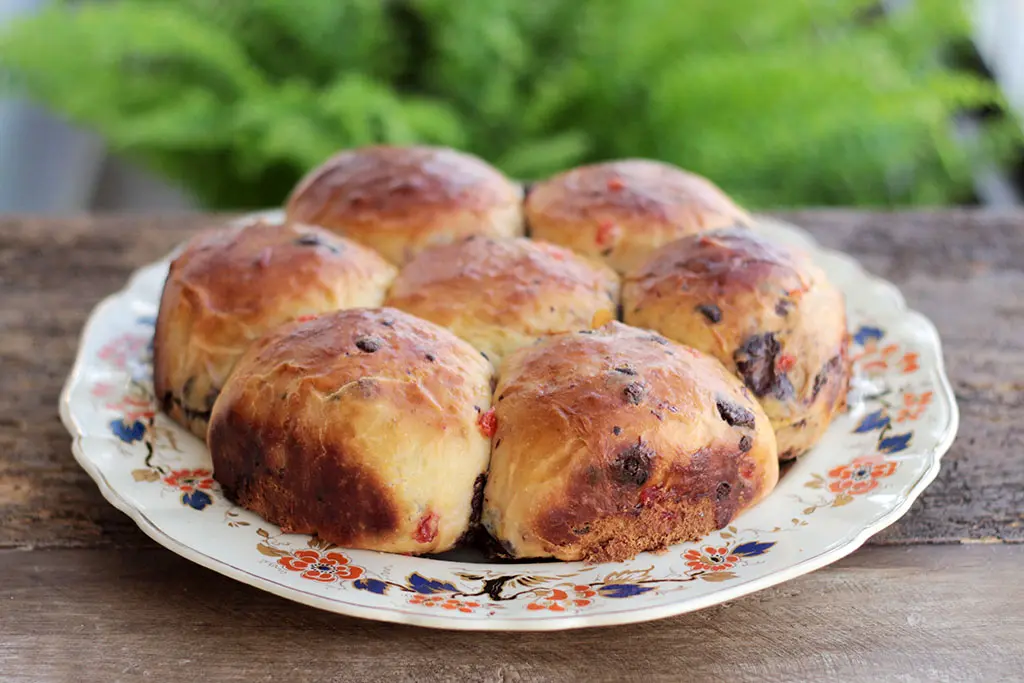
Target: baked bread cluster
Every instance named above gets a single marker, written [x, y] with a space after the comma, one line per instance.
[396, 367]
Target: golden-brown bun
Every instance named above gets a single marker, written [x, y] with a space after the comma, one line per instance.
[621, 211]
[764, 310]
[360, 426]
[502, 293]
[230, 285]
[615, 441]
[400, 200]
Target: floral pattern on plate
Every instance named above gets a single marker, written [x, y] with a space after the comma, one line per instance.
[870, 466]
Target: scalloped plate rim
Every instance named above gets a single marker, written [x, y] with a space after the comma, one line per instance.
[841, 548]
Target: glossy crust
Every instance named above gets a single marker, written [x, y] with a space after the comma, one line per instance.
[230, 285]
[500, 294]
[764, 310]
[359, 426]
[616, 441]
[400, 200]
[621, 211]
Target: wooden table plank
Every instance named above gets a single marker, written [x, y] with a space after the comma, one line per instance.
[923, 613]
[964, 269]
[84, 595]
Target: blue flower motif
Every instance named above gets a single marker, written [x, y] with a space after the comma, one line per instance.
[148, 320]
[129, 433]
[895, 443]
[372, 585]
[197, 499]
[873, 421]
[622, 590]
[752, 548]
[867, 333]
[421, 584]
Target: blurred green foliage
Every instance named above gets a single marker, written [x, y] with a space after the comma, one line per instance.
[791, 102]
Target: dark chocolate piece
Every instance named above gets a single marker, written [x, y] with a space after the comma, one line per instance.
[710, 311]
[733, 413]
[634, 393]
[756, 362]
[369, 343]
[633, 466]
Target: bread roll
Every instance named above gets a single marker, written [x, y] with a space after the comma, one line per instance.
[620, 211]
[361, 426]
[230, 285]
[615, 441]
[401, 200]
[502, 293]
[765, 311]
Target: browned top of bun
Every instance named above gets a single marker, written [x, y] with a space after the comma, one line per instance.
[333, 352]
[501, 293]
[401, 200]
[722, 261]
[238, 272]
[395, 182]
[621, 210]
[388, 187]
[629, 188]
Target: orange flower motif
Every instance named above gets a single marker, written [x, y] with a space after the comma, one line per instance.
[190, 480]
[583, 595]
[327, 567]
[556, 599]
[874, 358]
[861, 475]
[552, 601]
[909, 363]
[711, 559]
[123, 349]
[135, 408]
[102, 389]
[466, 606]
[913, 406]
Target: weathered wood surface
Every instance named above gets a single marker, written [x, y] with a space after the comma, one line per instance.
[920, 613]
[963, 269]
[85, 596]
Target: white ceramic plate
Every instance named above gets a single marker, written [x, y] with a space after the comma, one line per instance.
[871, 465]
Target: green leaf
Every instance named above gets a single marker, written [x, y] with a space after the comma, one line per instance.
[781, 104]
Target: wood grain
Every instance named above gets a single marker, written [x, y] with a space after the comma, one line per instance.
[964, 269]
[923, 613]
[85, 596]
